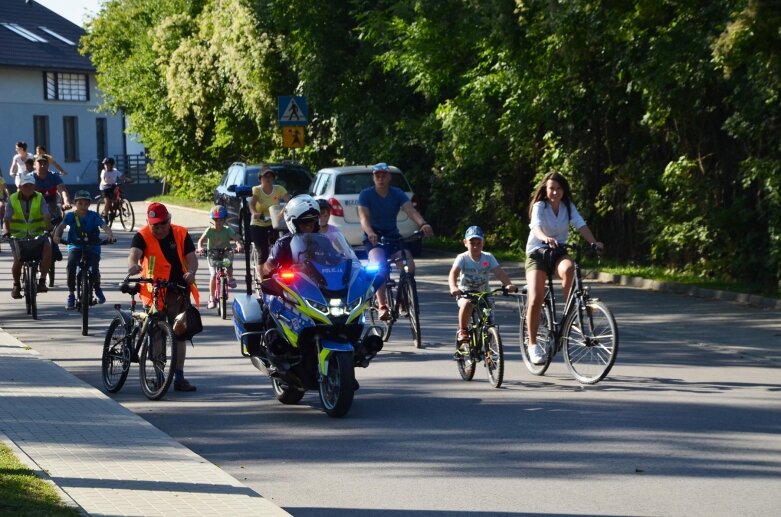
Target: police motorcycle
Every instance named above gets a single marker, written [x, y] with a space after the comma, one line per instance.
[306, 329]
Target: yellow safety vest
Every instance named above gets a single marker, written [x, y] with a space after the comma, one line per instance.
[33, 225]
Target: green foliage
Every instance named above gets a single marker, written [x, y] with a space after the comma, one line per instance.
[663, 114]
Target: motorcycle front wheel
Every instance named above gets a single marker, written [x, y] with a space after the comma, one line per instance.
[337, 387]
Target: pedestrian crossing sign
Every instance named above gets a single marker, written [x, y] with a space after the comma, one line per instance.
[293, 111]
[293, 136]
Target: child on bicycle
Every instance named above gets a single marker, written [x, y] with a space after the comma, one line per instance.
[109, 179]
[218, 236]
[470, 272]
[84, 226]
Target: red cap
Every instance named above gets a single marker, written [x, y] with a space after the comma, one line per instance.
[157, 213]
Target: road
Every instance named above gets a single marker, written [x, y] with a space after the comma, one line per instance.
[688, 423]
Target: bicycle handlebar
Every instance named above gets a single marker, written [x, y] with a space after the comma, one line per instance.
[125, 288]
[384, 240]
[89, 243]
[474, 295]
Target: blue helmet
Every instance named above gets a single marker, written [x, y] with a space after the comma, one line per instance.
[218, 212]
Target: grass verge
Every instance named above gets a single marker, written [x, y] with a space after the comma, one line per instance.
[24, 493]
[173, 200]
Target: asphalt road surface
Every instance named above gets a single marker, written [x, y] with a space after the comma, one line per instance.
[688, 422]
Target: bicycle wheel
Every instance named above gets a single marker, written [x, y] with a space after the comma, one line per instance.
[126, 215]
[544, 338]
[115, 363]
[99, 209]
[223, 301]
[590, 352]
[28, 288]
[158, 360]
[85, 295]
[494, 356]
[413, 313]
[466, 363]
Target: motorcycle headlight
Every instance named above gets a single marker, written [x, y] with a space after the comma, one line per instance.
[336, 307]
[317, 306]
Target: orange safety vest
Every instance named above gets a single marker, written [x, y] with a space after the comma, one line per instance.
[154, 264]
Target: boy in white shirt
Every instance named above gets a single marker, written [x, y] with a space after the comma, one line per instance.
[470, 272]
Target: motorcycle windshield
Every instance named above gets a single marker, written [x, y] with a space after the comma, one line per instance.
[324, 248]
[326, 257]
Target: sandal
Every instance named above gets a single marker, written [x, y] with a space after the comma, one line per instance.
[384, 313]
[462, 336]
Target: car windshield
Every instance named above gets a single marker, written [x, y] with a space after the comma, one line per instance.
[324, 248]
[354, 183]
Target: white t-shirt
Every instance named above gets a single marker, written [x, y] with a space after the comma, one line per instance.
[21, 167]
[109, 178]
[475, 274]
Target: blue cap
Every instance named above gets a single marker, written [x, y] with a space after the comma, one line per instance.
[474, 232]
[380, 167]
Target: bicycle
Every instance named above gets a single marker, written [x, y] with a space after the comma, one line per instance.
[30, 266]
[221, 259]
[120, 207]
[485, 342]
[144, 337]
[85, 282]
[405, 299]
[587, 329]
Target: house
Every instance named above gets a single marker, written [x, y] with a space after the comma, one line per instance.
[49, 95]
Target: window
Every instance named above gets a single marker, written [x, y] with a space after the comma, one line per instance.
[65, 87]
[41, 130]
[70, 131]
[101, 130]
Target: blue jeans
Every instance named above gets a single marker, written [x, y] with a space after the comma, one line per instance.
[74, 257]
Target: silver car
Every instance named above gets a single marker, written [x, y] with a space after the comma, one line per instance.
[340, 186]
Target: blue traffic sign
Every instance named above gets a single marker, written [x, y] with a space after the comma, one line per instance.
[292, 111]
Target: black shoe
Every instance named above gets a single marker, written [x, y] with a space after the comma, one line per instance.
[42, 286]
[183, 385]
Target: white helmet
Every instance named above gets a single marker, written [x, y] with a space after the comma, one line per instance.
[299, 209]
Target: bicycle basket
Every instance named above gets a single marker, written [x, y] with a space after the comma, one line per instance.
[220, 258]
[188, 323]
[29, 249]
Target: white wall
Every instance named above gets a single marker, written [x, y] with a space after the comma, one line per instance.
[22, 97]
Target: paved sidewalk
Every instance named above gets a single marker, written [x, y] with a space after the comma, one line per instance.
[104, 458]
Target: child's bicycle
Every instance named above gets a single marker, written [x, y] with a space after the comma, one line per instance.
[485, 343]
[85, 283]
[144, 337]
[120, 207]
[587, 329]
[221, 259]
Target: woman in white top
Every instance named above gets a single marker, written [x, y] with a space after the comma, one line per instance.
[552, 212]
[18, 166]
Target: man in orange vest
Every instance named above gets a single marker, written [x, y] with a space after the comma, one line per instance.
[166, 251]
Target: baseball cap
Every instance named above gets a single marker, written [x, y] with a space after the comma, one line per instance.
[41, 158]
[157, 213]
[27, 179]
[380, 167]
[267, 170]
[474, 232]
[82, 194]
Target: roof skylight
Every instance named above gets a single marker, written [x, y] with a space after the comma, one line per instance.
[21, 31]
[54, 34]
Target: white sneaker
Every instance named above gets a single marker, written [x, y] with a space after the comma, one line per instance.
[536, 354]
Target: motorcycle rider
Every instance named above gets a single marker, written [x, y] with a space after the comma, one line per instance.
[302, 215]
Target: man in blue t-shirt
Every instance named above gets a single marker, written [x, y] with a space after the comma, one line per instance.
[378, 208]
